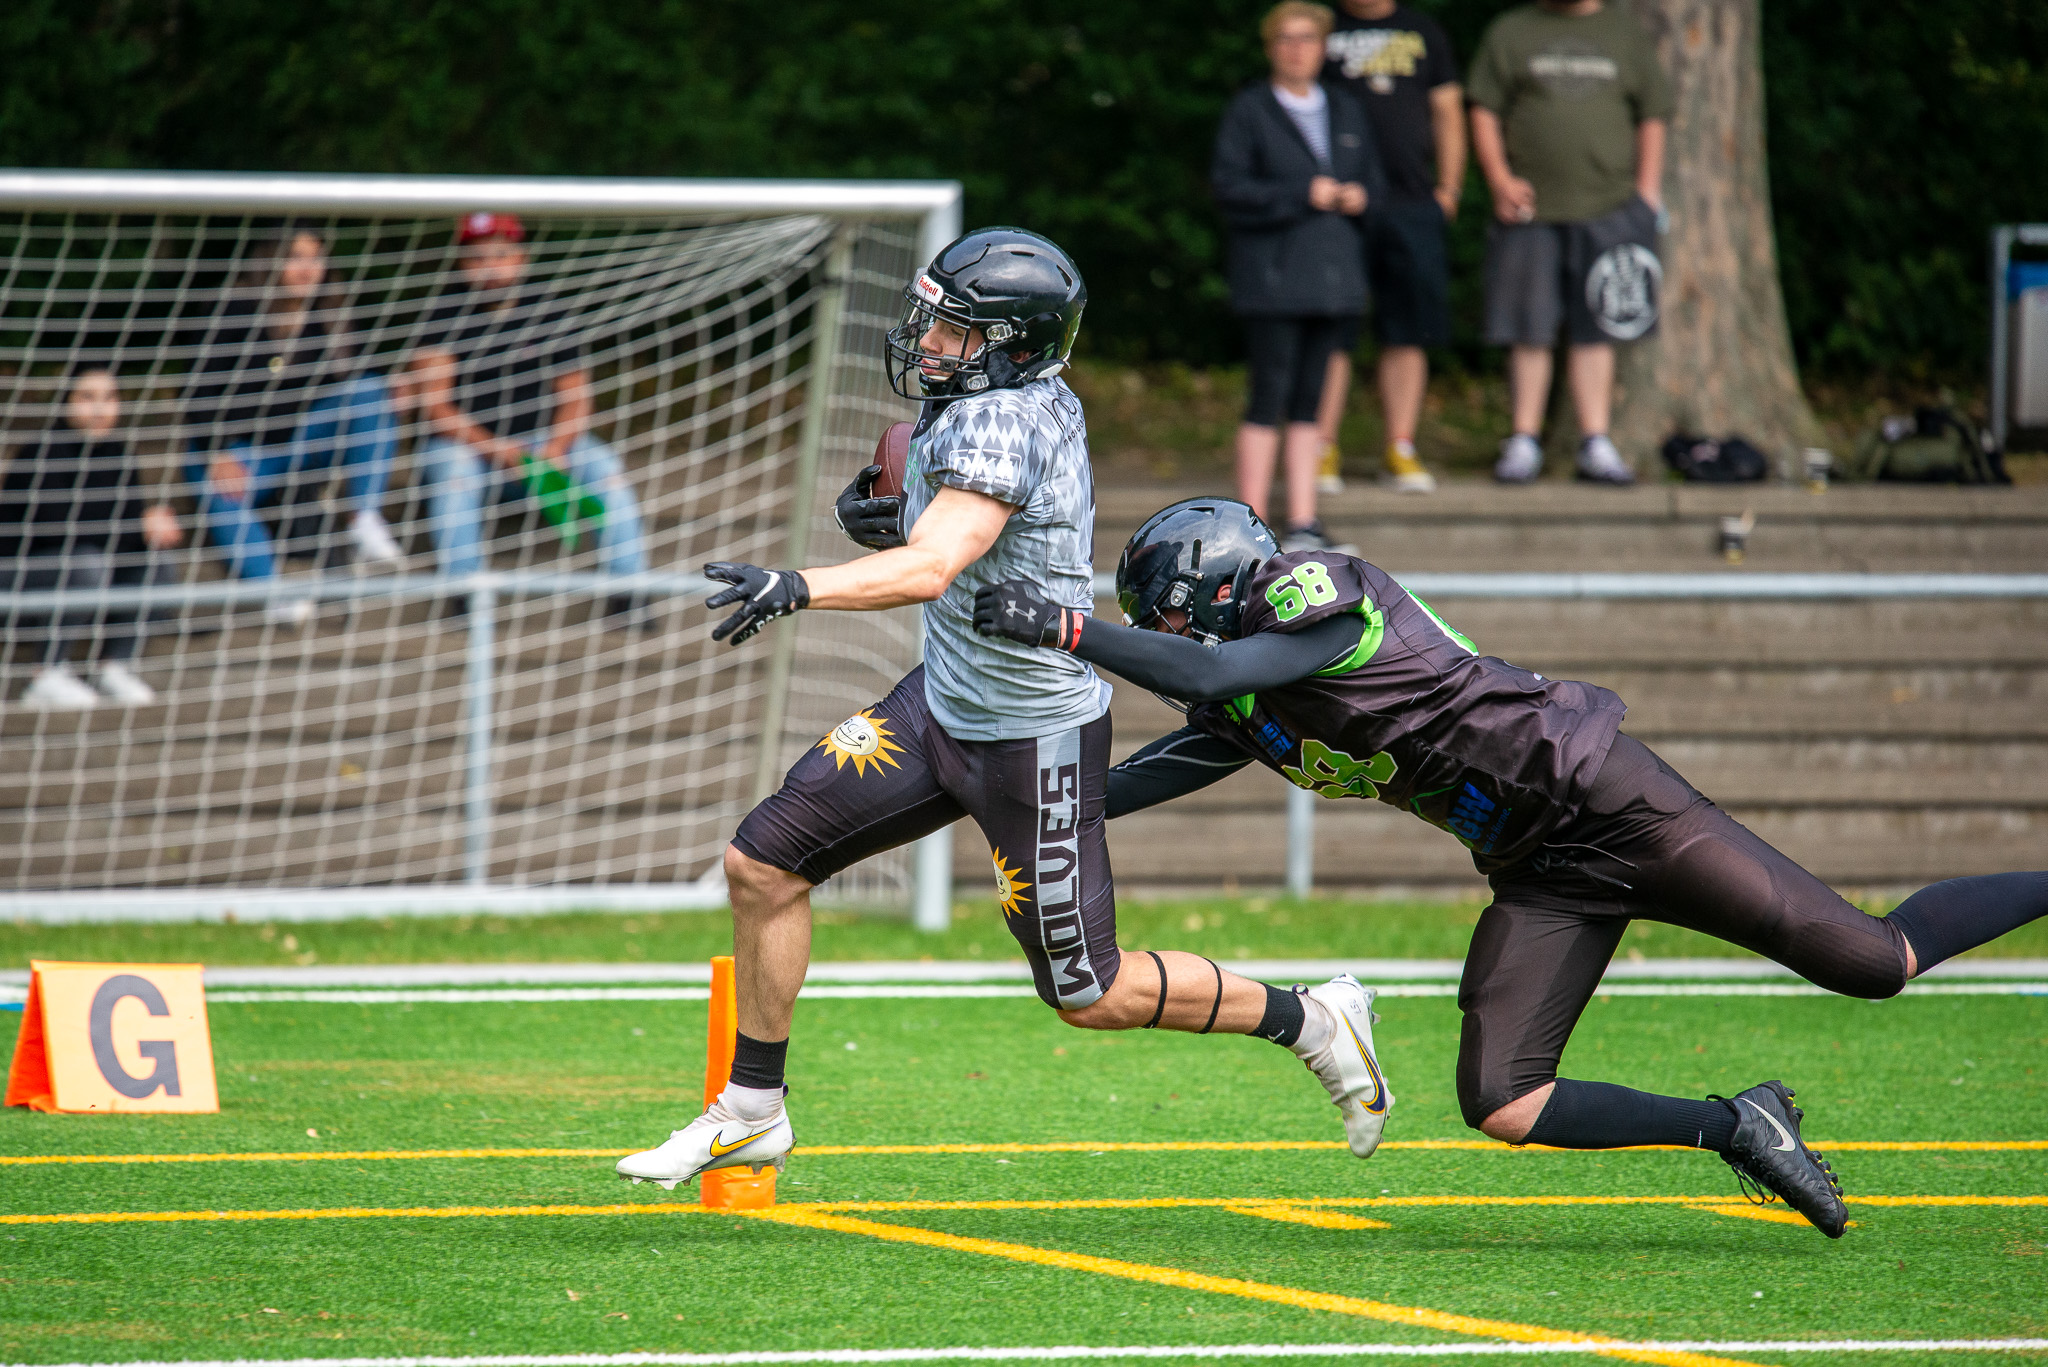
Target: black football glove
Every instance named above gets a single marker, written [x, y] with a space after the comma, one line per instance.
[763, 596]
[1014, 609]
[876, 523]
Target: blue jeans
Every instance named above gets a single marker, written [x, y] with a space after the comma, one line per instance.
[355, 427]
[459, 481]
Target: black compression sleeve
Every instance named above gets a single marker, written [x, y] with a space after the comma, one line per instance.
[1185, 669]
[1172, 766]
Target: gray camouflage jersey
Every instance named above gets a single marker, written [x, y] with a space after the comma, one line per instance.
[1029, 448]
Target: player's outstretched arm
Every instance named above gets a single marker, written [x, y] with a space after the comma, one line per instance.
[1170, 767]
[1165, 663]
[955, 531]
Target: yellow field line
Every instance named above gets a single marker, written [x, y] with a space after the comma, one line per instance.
[1163, 1146]
[811, 1217]
[118, 1217]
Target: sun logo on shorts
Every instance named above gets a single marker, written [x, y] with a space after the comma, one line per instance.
[863, 738]
[1010, 889]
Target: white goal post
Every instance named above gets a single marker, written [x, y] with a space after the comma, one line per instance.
[520, 715]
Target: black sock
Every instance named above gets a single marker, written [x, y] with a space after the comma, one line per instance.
[1944, 919]
[1284, 1017]
[757, 1063]
[1600, 1115]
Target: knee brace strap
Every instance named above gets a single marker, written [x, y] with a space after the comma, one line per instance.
[1160, 1009]
[1217, 1005]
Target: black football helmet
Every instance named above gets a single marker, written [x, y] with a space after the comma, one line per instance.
[1197, 556]
[1025, 295]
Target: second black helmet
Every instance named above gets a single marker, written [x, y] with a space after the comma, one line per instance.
[1196, 557]
[1018, 289]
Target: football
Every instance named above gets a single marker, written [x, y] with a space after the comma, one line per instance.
[892, 452]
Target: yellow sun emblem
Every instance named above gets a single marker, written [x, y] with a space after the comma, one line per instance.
[863, 738]
[1010, 889]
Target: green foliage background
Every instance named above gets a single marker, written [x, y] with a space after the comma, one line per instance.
[1898, 133]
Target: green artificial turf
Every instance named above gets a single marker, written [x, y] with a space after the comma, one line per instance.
[1223, 928]
[620, 1074]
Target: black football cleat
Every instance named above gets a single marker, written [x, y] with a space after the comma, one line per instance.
[1771, 1161]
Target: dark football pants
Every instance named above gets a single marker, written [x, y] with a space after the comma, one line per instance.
[1645, 845]
[891, 775]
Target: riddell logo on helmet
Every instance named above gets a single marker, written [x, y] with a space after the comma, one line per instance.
[929, 290]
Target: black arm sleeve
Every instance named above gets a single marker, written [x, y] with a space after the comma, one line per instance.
[1170, 767]
[1185, 669]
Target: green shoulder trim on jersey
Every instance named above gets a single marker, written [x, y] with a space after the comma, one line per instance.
[1240, 709]
[1368, 642]
[1456, 635]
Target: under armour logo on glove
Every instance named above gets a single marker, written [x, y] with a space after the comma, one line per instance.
[763, 596]
[1014, 609]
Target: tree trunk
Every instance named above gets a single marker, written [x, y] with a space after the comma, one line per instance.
[1721, 362]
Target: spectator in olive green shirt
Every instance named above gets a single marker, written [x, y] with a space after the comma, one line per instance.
[1568, 115]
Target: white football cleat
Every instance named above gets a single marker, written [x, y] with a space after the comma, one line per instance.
[715, 1139]
[1346, 1065]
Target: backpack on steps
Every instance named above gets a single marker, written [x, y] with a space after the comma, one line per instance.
[1934, 446]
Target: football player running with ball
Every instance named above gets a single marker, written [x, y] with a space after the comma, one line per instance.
[1322, 667]
[997, 490]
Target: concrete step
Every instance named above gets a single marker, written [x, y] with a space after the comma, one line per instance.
[1655, 527]
[1368, 844]
[583, 771]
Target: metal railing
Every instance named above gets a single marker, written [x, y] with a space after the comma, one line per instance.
[932, 902]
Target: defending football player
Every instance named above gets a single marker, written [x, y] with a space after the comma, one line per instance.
[997, 489]
[1324, 668]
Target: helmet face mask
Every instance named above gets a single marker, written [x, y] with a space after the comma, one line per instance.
[1016, 289]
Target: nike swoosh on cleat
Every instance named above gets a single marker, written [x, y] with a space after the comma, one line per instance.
[1379, 1085]
[719, 1150]
[1783, 1134]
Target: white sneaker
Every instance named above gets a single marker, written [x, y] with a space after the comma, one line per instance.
[1600, 463]
[118, 682]
[715, 1139]
[1346, 1065]
[1521, 460]
[56, 689]
[289, 612]
[372, 537]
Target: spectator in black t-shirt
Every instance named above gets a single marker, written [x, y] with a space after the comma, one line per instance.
[72, 516]
[279, 398]
[1397, 62]
[502, 384]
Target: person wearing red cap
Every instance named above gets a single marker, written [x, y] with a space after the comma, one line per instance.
[500, 376]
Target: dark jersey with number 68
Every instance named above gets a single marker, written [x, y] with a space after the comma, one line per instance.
[1415, 716]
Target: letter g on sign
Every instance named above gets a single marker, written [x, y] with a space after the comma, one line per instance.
[100, 1026]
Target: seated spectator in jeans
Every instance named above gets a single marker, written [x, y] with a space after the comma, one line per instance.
[73, 517]
[500, 378]
[1293, 172]
[1568, 114]
[281, 398]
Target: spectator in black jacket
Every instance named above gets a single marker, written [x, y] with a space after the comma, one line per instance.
[73, 516]
[1293, 172]
[279, 399]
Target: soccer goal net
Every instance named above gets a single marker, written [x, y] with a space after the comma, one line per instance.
[351, 530]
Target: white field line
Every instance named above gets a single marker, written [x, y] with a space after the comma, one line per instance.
[1378, 971]
[372, 996]
[1078, 1352]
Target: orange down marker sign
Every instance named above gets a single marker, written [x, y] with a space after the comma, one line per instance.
[728, 1188]
[114, 1037]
